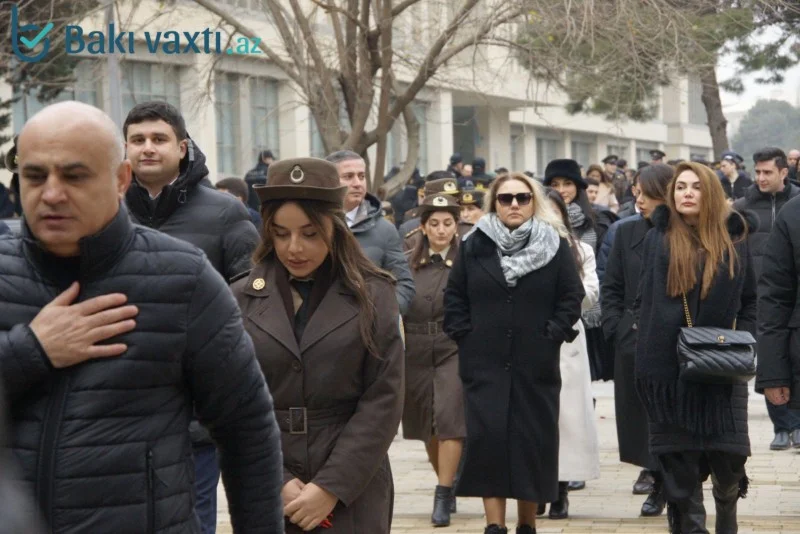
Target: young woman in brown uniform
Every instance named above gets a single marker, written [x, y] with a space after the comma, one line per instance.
[434, 406]
[325, 324]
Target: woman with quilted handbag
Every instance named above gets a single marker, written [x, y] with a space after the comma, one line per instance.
[696, 312]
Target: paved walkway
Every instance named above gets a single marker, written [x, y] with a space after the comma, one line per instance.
[606, 505]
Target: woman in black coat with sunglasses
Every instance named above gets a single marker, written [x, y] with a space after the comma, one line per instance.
[513, 297]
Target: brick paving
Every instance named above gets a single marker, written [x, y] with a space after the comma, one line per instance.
[606, 505]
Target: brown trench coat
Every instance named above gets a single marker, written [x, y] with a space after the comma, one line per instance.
[354, 401]
[434, 404]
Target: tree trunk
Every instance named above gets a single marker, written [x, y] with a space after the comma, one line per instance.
[717, 123]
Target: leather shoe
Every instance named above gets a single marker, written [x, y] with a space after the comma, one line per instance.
[654, 505]
[526, 529]
[795, 437]
[576, 485]
[495, 529]
[781, 441]
[644, 484]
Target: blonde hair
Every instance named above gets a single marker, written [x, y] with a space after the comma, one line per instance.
[542, 209]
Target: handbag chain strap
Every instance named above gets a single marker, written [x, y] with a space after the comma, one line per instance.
[686, 311]
[689, 315]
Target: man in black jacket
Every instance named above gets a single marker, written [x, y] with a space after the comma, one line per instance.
[166, 194]
[766, 198]
[110, 334]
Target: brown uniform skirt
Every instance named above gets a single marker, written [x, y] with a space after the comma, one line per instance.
[434, 402]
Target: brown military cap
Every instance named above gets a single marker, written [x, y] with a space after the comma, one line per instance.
[474, 196]
[302, 179]
[440, 202]
[448, 186]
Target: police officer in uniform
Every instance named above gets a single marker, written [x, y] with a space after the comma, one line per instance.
[325, 324]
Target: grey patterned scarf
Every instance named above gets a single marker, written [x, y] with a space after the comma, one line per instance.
[522, 250]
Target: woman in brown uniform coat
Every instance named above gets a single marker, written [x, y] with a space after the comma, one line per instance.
[325, 324]
[434, 407]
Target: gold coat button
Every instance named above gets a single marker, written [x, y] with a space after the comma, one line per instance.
[259, 284]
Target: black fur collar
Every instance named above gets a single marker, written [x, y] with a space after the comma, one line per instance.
[738, 221]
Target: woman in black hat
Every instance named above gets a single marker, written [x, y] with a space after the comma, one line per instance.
[434, 402]
[564, 176]
[325, 324]
[512, 299]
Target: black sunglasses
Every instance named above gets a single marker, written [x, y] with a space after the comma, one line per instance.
[523, 199]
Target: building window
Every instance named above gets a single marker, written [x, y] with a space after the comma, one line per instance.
[643, 152]
[620, 151]
[143, 82]
[699, 153]
[317, 146]
[263, 116]
[85, 89]
[697, 111]
[397, 140]
[227, 119]
[546, 151]
[581, 151]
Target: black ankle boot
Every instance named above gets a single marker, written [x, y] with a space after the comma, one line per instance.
[453, 507]
[495, 529]
[726, 498]
[441, 506]
[560, 508]
[526, 529]
[540, 508]
[654, 505]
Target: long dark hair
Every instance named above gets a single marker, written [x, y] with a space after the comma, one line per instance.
[654, 180]
[553, 195]
[711, 235]
[420, 250]
[349, 264]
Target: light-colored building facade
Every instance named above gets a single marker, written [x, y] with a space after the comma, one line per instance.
[487, 105]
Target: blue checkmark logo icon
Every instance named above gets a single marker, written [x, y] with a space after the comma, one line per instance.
[30, 44]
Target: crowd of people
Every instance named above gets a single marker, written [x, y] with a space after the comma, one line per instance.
[158, 332]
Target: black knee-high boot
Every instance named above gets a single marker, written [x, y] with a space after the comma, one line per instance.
[726, 498]
[560, 508]
[692, 513]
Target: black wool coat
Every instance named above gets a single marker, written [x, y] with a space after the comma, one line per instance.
[618, 294]
[766, 206]
[779, 306]
[509, 340]
[660, 318]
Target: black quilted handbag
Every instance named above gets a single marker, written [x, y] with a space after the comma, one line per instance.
[712, 355]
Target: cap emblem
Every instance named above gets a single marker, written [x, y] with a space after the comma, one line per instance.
[466, 197]
[450, 186]
[297, 175]
[440, 201]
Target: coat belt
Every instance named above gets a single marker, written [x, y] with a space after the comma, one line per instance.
[430, 328]
[297, 420]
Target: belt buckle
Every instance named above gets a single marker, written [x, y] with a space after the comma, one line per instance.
[433, 328]
[298, 416]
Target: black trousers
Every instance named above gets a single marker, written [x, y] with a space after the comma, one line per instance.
[682, 471]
